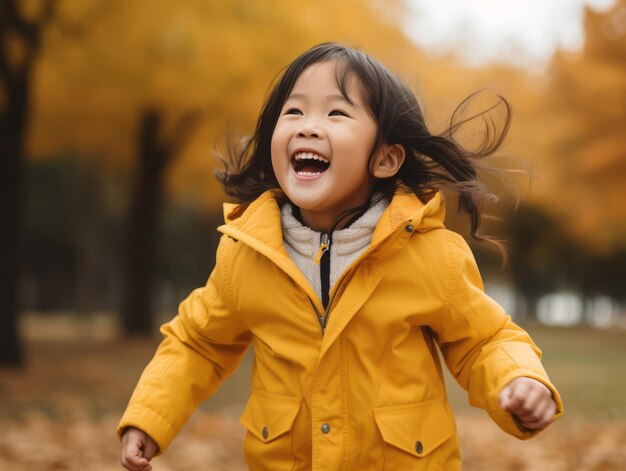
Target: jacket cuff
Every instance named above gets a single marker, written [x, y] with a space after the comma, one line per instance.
[159, 429]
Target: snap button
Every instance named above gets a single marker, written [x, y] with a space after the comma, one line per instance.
[325, 428]
[265, 432]
[419, 447]
[409, 228]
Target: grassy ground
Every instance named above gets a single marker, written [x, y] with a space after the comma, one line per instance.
[60, 412]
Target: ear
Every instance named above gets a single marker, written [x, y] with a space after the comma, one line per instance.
[388, 161]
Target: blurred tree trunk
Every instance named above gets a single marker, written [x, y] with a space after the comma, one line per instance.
[20, 43]
[12, 130]
[155, 153]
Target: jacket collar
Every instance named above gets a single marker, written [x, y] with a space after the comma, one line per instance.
[258, 226]
[261, 218]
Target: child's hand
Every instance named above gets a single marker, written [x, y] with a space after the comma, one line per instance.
[529, 401]
[137, 450]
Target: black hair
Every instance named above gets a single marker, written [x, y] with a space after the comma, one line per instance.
[433, 161]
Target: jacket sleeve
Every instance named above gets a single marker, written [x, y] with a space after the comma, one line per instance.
[202, 345]
[482, 347]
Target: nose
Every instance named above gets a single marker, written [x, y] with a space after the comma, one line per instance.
[309, 129]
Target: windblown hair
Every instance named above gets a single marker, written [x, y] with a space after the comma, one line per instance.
[432, 163]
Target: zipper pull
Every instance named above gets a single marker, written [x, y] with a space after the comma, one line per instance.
[322, 320]
[324, 246]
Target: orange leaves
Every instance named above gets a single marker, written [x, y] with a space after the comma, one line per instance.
[586, 117]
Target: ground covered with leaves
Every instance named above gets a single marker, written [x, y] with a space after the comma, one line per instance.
[60, 411]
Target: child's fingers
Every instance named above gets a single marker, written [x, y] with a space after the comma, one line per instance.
[135, 463]
[540, 418]
[523, 396]
[538, 409]
[512, 398]
[150, 449]
[537, 424]
[505, 398]
[535, 398]
[137, 450]
[144, 466]
[132, 454]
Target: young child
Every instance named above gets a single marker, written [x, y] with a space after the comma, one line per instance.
[338, 270]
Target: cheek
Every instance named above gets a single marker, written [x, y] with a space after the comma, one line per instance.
[275, 145]
[277, 156]
[279, 141]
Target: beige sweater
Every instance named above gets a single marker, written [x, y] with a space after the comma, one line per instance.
[302, 243]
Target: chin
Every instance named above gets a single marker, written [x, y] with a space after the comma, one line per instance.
[304, 198]
[307, 204]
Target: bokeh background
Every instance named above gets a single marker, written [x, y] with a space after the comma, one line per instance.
[110, 112]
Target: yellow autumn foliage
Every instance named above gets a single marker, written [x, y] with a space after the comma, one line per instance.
[107, 61]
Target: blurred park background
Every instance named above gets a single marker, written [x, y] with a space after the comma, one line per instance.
[110, 111]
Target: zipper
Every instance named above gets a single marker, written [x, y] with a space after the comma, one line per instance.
[325, 268]
[323, 260]
[324, 247]
[323, 317]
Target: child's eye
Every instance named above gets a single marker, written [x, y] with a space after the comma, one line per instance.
[295, 111]
[337, 113]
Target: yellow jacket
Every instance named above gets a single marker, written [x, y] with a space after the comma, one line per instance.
[369, 393]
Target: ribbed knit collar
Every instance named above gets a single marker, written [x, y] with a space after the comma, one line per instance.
[352, 239]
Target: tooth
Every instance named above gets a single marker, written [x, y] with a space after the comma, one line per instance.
[309, 156]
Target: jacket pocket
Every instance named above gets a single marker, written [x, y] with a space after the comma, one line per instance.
[412, 433]
[269, 418]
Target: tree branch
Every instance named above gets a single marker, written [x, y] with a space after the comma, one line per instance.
[28, 30]
[48, 14]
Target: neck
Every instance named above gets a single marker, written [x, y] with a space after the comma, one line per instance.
[329, 223]
[317, 222]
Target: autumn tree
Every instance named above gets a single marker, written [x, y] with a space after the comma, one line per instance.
[586, 111]
[20, 44]
[170, 83]
[127, 89]
[155, 153]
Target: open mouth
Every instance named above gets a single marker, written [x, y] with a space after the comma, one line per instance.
[309, 164]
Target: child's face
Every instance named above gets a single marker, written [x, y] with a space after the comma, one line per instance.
[321, 146]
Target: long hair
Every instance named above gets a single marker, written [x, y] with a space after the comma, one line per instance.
[433, 161]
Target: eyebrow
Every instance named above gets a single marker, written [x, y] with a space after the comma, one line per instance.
[333, 97]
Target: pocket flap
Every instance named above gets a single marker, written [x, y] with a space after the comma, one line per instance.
[268, 416]
[416, 428]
